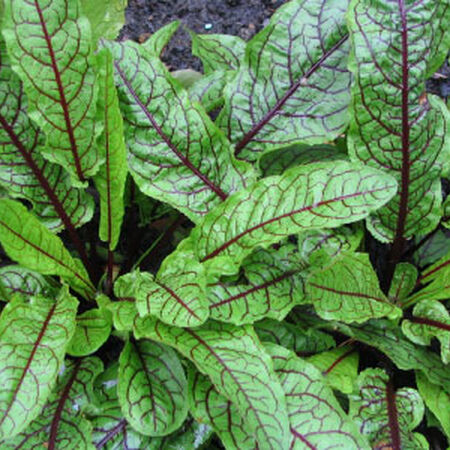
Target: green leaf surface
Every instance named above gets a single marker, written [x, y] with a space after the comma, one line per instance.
[124, 314]
[431, 320]
[273, 286]
[32, 245]
[152, 388]
[348, 290]
[92, 331]
[50, 49]
[435, 246]
[293, 85]
[33, 339]
[24, 173]
[239, 368]
[176, 154]
[395, 127]
[61, 423]
[157, 42]
[218, 51]
[316, 419]
[110, 179]
[322, 195]
[403, 282]
[385, 416]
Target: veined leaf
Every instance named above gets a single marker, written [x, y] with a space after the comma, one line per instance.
[395, 127]
[403, 282]
[218, 51]
[431, 319]
[156, 43]
[50, 49]
[293, 85]
[23, 170]
[322, 195]
[110, 179]
[387, 417]
[61, 423]
[274, 286]
[124, 314]
[348, 290]
[33, 340]
[176, 154]
[436, 246]
[32, 245]
[239, 368]
[316, 419]
[177, 295]
[208, 406]
[152, 388]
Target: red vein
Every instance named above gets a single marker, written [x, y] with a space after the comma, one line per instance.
[436, 269]
[339, 360]
[348, 293]
[270, 114]
[110, 434]
[63, 101]
[430, 322]
[178, 299]
[394, 430]
[299, 436]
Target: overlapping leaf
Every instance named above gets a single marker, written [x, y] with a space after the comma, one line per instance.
[157, 42]
[293, 85]
[50, 49]
[208, 90]
[348, 290]
[385, 416]
[32, 245]
[33, 340]
[23, 170]
[176, 154]
[239, 368]
[395, 127]
[61, 423]
[403, 282]
[152, 388]
[321, 195]
[435, 246]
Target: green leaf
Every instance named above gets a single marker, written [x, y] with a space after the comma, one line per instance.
[49, 45]
[273, 286]
[208, 406]
[348, 290]
[92, 331]
[446, 208]
[156, 43]
[190, 436]
[107, 17]
[239, 368]
[316, 419]
[322, 195]
[395, 127]
[33, 339]
[431, 320]
[176, 154]
[281, 94]
[387, 417]
[177, 295]
[186, 77]
[124, 314]
[61, 423]
[403, 282]
[435, 246]
[152, 388]
[24, 173]
[110, 179]
[32, 245]
[436, 399]
[339, 367]
[218, 51]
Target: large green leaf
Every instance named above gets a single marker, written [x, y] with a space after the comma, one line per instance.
[23, 170]
[239, 368]
[176, 154]
[50, 48]
[152, 388]
[33, 339]
[385, 416]
[395, 127]
[61, 423]
[32, 245]
[110, 179]
[293, 85]
[321, 195]
[348, 290]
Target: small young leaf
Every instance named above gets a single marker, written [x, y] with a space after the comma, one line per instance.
[156, 43]
[348, 290]
[152, 388]
[431, 319]
[387, 417]
[32, 245]
[403, 282]
[239, 368]
[33, 339]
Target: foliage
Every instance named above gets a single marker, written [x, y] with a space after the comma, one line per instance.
[253, 258]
